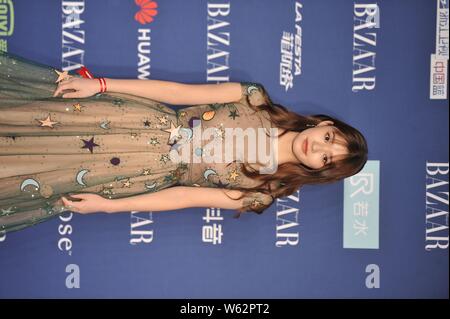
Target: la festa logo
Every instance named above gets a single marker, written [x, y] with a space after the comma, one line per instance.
[147, 11]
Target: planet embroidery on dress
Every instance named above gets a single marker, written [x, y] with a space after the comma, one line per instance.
[208, 115]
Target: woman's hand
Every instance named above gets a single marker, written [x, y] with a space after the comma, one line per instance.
[90, 203]
[83, 87]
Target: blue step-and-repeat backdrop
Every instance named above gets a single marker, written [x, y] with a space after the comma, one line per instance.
[379, 65]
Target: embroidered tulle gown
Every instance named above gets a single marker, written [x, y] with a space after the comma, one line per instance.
[111, 144]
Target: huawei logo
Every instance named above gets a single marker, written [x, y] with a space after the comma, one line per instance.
[147, 12]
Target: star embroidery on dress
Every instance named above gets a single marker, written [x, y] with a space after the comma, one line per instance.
[47, 122]
[174, 131]
[147, 123]
[48, 208]
[146, 171]
[153, 141]
[256, 203]
[62, 76]
[77, 107]
[127, 183]
[107, 191]
[220, 131]
[233, 175]
[182, 114]
[89, 144]
[162, 119]
[6, 212]
[233, 114]
[164, 158]
[117, 102]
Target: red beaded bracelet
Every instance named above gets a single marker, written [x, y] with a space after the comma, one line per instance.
[102, 85]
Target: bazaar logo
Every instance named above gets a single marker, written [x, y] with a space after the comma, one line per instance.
[147, 11]
[6, 18]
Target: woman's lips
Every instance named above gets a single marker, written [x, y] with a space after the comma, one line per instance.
[305, 146]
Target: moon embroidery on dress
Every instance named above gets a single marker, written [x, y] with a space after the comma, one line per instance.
[208, 172]
[251, 87]
[105, 125]
[80, 175]
[29, 181]
[152, 186]
[44, 190]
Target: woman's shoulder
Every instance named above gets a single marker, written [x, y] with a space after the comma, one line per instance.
[253, 93]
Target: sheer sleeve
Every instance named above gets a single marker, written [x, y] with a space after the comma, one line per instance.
[253, 93]
[256, 201]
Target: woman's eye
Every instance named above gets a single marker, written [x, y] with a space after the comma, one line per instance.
[327, 138]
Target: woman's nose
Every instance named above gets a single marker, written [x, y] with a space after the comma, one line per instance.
[320, 146]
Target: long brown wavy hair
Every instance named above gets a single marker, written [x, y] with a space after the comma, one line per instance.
[289, 177]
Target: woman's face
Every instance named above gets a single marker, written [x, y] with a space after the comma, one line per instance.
[322, 145]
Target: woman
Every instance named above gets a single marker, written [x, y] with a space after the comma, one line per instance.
[63, 147]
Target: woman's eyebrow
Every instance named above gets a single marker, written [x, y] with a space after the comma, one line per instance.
[334, 138]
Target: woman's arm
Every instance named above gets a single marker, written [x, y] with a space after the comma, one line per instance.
[178, 197]
[177, 93]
